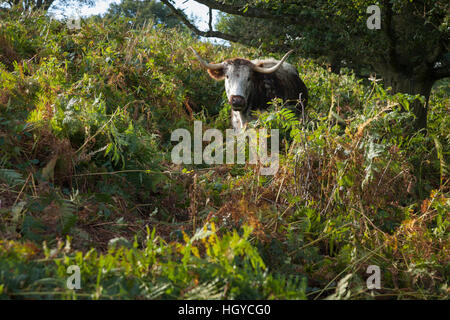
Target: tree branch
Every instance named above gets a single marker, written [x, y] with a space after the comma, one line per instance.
[210, 20]
[253, 12]
[237, 9]
[210, 33]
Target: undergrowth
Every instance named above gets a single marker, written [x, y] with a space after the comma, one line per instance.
[86, 177]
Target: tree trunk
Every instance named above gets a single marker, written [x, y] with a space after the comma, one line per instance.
[422, 85]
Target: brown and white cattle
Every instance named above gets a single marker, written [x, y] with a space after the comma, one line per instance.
[251, 84]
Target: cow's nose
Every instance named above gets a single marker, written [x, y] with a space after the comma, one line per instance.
[237, 102]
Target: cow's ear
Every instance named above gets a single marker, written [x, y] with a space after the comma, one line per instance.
[217, 74]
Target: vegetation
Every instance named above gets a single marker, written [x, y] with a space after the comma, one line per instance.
[86, 177]
[143, 11]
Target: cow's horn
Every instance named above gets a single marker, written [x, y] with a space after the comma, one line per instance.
[275, 67]
[213, 66]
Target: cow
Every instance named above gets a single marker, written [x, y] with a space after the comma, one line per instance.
[251, 84]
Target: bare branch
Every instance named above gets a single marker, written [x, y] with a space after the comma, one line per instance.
[210, 20]
[210, 33]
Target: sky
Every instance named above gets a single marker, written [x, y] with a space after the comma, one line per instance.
[190, 7]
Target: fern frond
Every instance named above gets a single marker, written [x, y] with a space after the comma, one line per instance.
[11, 177]
[206, 291]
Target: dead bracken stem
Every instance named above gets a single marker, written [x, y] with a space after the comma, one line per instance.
[193, 206]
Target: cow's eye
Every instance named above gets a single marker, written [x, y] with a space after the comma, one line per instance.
[227, 76]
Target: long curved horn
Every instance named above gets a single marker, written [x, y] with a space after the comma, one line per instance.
[213, 66]
[275, 67]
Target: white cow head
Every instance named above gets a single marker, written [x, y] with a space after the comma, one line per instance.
[237, 74]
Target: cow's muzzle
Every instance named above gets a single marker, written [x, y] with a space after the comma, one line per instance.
[237, 102]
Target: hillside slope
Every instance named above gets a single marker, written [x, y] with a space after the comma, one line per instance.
[86, 177]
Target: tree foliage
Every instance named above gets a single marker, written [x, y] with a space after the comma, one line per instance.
[143, 11]
[34, 5]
